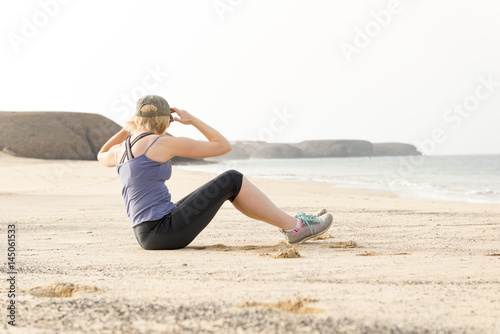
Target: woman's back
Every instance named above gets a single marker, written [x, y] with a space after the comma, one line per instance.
[144, 191]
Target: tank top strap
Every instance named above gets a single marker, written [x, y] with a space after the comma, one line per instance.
[154, 141]
[116, 154]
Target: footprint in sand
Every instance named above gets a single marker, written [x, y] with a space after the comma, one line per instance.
[284, 250]
[323, 236]
[224, 248]
[377, 254]
[61, 290]
[297, 306]
[341, 244]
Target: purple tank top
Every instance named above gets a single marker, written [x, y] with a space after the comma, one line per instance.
[144, 191]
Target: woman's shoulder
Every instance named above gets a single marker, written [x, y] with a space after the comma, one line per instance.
[168, 139]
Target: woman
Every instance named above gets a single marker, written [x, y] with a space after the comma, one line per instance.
[142, 152]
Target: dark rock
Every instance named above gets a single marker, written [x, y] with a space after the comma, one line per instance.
[335, 148]
[394, 149]
[55, 135]
[315, 149]
[278, 151]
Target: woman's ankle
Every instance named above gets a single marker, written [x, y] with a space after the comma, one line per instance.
[296, 228]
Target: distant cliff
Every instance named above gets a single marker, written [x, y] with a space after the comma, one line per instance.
[384, 149]
[316, 149]
[58, 135]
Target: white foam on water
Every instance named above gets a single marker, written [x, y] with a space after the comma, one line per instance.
[451, 178]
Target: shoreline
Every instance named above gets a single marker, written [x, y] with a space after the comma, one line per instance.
[345, 187]
[416, 266]
[401, 194]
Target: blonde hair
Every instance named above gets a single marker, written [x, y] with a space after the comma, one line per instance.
[156, 124]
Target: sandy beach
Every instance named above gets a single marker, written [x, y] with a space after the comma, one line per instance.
[391, 265]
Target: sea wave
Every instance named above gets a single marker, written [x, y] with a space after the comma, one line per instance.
[465, 178]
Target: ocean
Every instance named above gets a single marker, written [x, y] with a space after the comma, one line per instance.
[467, 178]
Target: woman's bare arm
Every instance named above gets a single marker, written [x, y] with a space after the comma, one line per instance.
[106, 155]
[185, 147]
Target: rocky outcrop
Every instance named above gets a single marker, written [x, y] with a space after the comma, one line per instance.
[335, 148]
[394, 149]
[58, 135]
[282, 151]
[54, 135]
[315, 149]
[261, 150]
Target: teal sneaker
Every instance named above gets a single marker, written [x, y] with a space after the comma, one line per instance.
[311, 227]
[319, 213]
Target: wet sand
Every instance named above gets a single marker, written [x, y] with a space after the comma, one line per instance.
[405, 265]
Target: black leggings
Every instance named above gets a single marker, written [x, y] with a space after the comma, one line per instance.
[192, 214]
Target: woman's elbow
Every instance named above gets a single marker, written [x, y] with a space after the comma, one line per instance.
[223, 148]
[102, 159]
[228, 148]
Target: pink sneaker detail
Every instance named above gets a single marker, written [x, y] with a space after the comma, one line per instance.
[300, 228]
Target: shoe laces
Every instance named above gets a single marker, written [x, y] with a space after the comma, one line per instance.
[307, 220]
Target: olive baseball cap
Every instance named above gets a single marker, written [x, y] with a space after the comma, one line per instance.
[163, 109]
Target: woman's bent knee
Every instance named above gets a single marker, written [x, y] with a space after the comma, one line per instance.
[237, 182]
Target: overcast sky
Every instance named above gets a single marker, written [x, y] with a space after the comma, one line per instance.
[422, 72]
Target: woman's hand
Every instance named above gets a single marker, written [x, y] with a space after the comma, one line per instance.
[185, 117]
